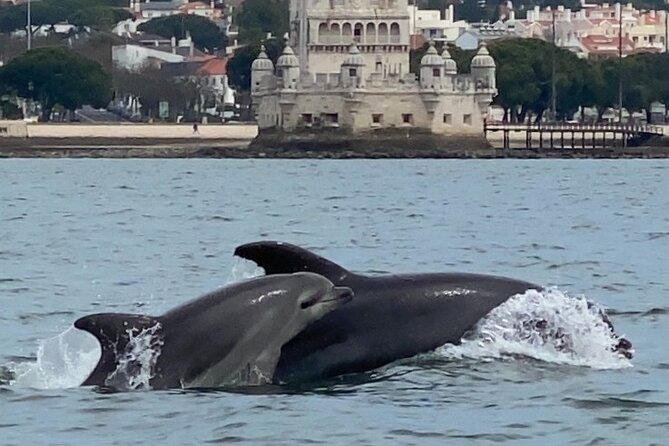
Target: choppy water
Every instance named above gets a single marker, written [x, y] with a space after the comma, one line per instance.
[83, 236]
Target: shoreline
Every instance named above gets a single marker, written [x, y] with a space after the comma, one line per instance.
[240, 149]
[237, 141]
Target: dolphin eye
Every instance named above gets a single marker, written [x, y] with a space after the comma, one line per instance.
[309, 302]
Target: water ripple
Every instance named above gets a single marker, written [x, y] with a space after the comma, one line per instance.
[614, 402]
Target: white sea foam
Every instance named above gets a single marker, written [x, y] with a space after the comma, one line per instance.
[136, 364]
[66, 360]
[62, 362]
[573, 333]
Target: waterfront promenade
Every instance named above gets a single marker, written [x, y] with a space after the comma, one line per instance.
[150, 132]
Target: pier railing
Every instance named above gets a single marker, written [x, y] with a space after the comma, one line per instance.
[575, 136]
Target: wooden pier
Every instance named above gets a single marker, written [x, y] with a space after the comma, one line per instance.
[557, 136]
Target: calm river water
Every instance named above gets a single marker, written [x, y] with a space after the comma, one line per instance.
[84, 236]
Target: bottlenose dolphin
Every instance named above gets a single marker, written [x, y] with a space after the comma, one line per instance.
[392, 316]
[230, 336]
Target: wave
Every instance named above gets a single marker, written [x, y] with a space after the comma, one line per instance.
[548, 325]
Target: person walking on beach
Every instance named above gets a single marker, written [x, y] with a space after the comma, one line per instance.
[195, 129]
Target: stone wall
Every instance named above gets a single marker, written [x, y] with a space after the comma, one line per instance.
[372, 110]
[13, 129]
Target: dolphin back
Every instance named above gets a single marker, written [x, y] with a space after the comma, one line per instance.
[114, 332]
[284, 258]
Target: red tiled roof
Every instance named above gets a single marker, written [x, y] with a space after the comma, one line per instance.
[214, 67]
[602, 45]
[650, 20]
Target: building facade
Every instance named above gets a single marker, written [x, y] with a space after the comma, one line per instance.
[350, 76]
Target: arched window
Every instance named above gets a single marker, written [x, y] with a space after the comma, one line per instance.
[394, 32]
[335, 33]
[323, 33]
[383, 33]
[357, 32]
[370, 33]
[346, 33]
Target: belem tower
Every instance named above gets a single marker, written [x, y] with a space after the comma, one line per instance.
[343, 81]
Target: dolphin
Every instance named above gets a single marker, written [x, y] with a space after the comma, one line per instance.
[228, 337]
[392, 316]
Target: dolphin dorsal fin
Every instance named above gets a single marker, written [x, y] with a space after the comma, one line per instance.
[113, 331]
[284, 258]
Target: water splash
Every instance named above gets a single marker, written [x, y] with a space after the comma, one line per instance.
[547, 325]
[136, 364]
[63, 361]
[243, 269]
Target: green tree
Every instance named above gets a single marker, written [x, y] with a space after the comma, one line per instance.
[57, 76]
[98, 14]
[152, 86]
[524, 79]
[645, 80]
[205, 34]
[461, 57]
[256, 18]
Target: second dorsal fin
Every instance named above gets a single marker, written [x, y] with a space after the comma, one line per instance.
[284, 258]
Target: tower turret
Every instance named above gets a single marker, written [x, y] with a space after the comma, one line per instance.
[483, 69]
[352, 69]
[431, 68]
[450, 67]
[288, 69]
[262, 66]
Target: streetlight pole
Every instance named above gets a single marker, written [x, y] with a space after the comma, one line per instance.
[30, 27]
[553, 86]
[620, 63]
[666, 30]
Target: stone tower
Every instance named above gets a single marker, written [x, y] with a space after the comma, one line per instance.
[323, 30]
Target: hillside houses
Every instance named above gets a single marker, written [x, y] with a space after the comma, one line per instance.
[588, 32]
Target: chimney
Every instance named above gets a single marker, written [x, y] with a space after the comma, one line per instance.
[451, 14]
[617, 9]
[173, 43]
[512, 15]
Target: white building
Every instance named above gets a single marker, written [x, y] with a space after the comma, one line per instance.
[139, 55]
[431, 26]
[128, 27]
[350, 83]
[152, 10]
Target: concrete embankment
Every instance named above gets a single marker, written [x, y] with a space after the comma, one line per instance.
[119, 140]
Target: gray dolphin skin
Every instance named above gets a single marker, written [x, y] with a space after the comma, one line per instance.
[231, 336]
[392, 316]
